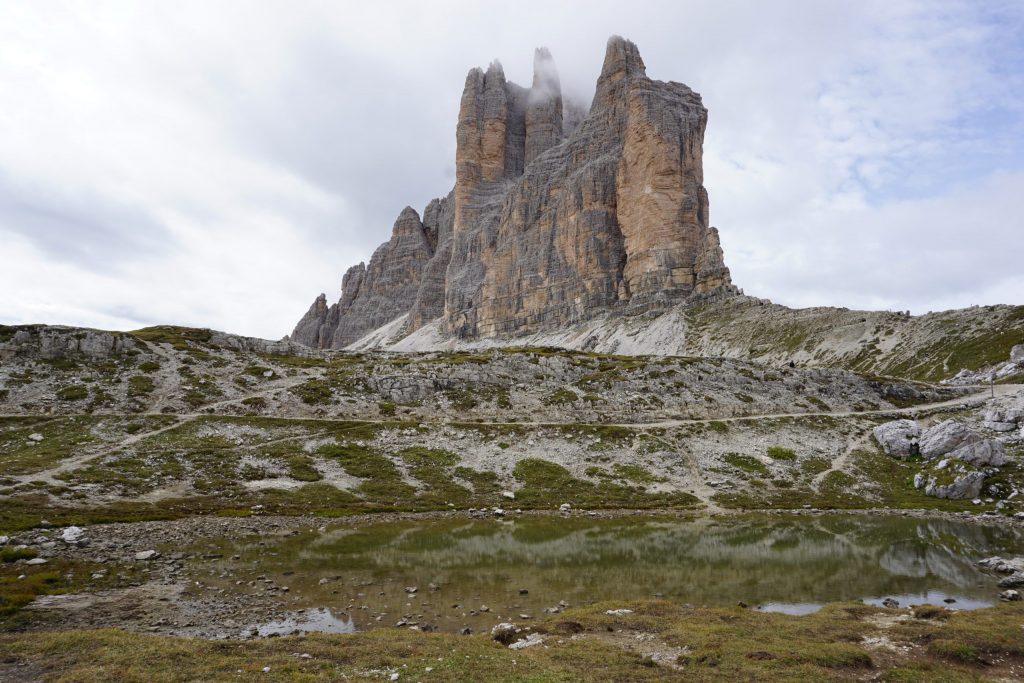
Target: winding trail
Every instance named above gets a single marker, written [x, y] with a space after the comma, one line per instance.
[700, 487]
[959, 403]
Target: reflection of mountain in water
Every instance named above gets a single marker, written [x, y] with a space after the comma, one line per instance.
[708, 560]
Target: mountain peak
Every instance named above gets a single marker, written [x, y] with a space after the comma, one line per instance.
[549, 224]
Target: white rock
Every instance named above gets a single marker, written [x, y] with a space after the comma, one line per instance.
[268, 373]
[944, 437]
[394, 676]
[1017, 354]
[36, 561]
[147, 555]
[4, 540]
[511, 495]
[956, 440]
[71, 534]
[983, 452]
[530, 641]
[618, 612]
[35, 436]
[965, 486]
[898, 438]
[504, 632]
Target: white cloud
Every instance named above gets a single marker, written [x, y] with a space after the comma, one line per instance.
[220, 164]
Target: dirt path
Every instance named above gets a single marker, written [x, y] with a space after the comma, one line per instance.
[840, 462]
[699, 486]
[67, 465]
[970, 401]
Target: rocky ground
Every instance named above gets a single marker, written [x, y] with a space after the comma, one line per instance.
[170, 423]
[189, 420]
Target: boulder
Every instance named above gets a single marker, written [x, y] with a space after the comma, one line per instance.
[504, 633]
[963, 486]
[956, 440]
[981, 453]
[1017, 354]
[1002, 420]
[898, 438]
[943, 438]
[71, 534]
[529, 641]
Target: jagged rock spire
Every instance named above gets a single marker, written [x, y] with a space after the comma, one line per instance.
[544, 111]
[547, 227]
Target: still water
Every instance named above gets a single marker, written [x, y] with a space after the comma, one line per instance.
[450, 574]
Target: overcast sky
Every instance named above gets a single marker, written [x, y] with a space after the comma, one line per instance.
[219, 164]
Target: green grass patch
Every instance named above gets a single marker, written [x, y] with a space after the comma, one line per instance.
[746, 463]
[140, 385]
[76, 392]
[313, 392]
[780, 453]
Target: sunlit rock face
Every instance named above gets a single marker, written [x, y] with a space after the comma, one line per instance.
[558, 214]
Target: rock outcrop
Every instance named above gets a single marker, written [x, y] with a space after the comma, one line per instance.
[957, 441]
[898, 438]
[558, 215]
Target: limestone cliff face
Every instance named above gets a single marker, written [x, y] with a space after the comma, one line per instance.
[553, 219]
[375, 294]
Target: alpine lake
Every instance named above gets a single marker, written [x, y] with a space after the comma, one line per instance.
[454, 574]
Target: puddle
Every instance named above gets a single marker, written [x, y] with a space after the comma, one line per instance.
[320, 620]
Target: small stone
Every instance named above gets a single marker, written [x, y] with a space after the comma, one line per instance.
[890, 603]
[1009, 595]
[147, 555]
[266, 669]
[35, 436]
[511, 495]
[618, 612]
[35, 561]
[411, 589]
[71, 534]
[530, 641]
[394, 676]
